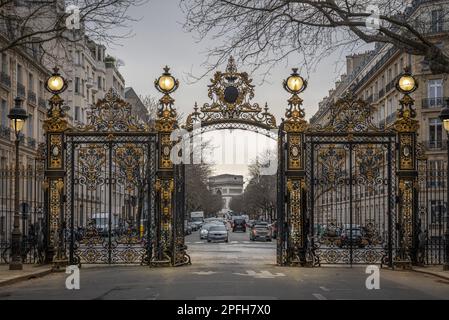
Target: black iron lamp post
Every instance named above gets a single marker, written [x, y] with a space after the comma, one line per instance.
[444, 116]
[18, 116]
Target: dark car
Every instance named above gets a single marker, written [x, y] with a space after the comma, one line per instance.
[239, 225]
[260, 231]
[352, 237]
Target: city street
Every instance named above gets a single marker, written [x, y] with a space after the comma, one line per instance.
[236, 270]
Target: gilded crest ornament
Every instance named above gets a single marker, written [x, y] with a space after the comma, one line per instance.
[231, 93]
[350, 115]
[112, 114]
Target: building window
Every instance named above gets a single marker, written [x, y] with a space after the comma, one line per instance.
[4, 114]
[435, 133]
[19, 74]
[437, 211]
[30, 123]
[41, 88]
[437, 21]
[30, 82]
[99, 82]
[5, 68]
[77, 114]
[434, 92]
[77, 85]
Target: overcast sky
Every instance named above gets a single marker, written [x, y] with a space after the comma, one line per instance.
[160, 40]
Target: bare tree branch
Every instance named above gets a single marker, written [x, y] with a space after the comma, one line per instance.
[263, 33]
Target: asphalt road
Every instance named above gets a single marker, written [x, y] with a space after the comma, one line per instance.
[236, 270]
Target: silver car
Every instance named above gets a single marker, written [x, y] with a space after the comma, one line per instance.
[217, 233]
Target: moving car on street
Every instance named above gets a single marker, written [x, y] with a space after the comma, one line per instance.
[238, 224]
[261, 231]
[205, 230]
[217, 233]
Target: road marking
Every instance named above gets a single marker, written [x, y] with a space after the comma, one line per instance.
[204, 273]
[319, 296]
[325, 289]
[264, 274]
[199, 242]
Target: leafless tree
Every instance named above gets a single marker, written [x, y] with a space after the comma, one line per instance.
[265, 32]
[43, 25]
[260, 193]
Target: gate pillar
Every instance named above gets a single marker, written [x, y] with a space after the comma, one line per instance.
[55, 127]
[406, 127]
[169, 249]
[291, 216]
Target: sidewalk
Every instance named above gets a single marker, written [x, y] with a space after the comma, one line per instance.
[29, 271]
[434, 271]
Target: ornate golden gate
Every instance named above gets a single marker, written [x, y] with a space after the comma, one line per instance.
[113, 156]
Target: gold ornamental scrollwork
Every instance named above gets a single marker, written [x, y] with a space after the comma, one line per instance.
[294, 188]
[295, 121]
[112, 114]
[406, 117]
[349, 115]
[56, 121]
[56, 187]
[231, 93]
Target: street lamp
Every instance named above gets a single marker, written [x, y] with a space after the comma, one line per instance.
[444, 116]
[166, 83]
[295, 84]
[18, 116]
[56, 84]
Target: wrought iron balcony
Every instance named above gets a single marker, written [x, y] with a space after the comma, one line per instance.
[435, 145]
[390, 86]
[21, 90]
[436, 102]
[5, 132]
[5, 80]
[31, 142]
[31, 96]
[42, 103]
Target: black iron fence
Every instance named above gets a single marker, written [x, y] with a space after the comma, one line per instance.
[31, 211]
[433, 216]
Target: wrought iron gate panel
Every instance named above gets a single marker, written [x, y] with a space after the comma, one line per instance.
[432, 213]
[33, 222]
[351, 198]
[110, 197]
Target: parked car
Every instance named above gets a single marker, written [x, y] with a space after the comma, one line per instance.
[217, 233]
[260, 231]
[194, 226]
[187, 228]
[238, 225]
[352, 237]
